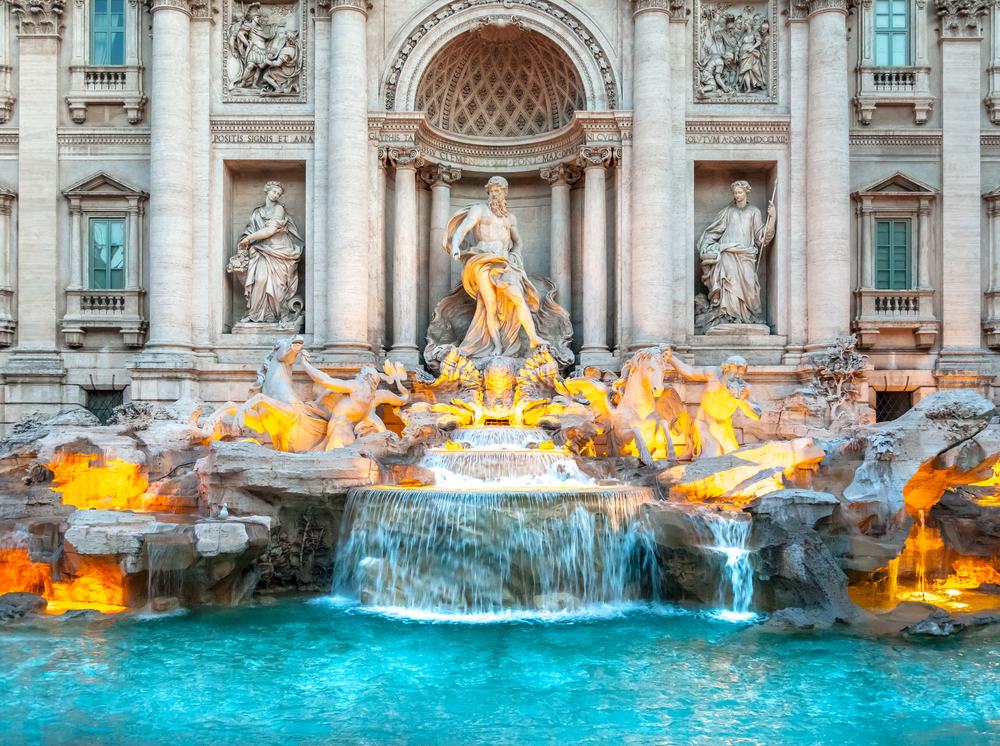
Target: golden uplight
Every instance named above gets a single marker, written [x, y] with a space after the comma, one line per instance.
[92, 481]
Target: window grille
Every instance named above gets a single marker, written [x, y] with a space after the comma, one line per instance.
[101, 403]
[890, 405]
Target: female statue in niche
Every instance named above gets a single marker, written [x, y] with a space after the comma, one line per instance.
[730, 250]
[267, 262]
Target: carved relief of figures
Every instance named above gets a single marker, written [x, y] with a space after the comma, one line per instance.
[266, 263]
[264, 52]
[734, 51]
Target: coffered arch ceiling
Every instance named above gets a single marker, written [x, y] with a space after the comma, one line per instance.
[498, 81]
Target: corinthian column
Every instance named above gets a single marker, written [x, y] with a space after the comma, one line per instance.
[171, 196]
[595, 257]
[440, 178]
[560, 177]
[828, 268]
[651, 206]
[347, 186]
[404, 259]
[961, 287]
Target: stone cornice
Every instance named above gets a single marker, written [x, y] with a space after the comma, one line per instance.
[895, 138]
[280, 125]
[38, 17]
[960, 18]
[513, 155]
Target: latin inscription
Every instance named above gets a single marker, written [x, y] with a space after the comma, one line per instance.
[736, 139]
[254, 138]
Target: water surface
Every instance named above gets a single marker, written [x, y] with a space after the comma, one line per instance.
[323, 673]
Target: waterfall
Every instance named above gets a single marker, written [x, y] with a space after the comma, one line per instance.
[453, 551]
[167, 556]
[728, 535]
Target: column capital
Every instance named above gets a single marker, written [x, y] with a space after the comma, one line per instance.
[332, 6]
[437, 174]
[673, 8]
[38, 17]
[960, 18]
[7, 198]
[808, 8]
[595, 157]
[184, 6]
[405, 158]
[561, 173]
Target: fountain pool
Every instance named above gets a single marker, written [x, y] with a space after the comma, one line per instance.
[320, 672]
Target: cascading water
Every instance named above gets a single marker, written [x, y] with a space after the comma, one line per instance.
[728, 534]
[167, 556]
[505, 528]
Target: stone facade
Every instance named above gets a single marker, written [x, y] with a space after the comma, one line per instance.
[620, 128]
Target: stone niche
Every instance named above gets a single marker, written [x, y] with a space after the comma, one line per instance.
[712, 192]
[244, 192]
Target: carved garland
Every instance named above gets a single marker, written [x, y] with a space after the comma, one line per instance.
[610, 87]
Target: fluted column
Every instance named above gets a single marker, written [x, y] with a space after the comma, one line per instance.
[651, 193]
[828, 255]
[961, 290]
[347, 206]
[404, 259]
[171, 200]
[560, 177]
[440, 178]
[595, 257]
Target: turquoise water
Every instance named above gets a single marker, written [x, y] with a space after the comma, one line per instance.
[321, 673]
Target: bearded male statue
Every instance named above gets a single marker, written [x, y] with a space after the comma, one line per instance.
[493, 274]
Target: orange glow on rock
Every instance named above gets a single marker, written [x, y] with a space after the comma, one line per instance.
[92, 481]
[98, 584]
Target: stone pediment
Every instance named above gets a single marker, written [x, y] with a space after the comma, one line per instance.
[899, 184]
[103, 185]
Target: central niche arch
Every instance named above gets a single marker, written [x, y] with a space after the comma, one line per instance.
[500, 80]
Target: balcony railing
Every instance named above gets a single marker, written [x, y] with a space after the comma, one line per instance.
[104, 79]
[893, 80]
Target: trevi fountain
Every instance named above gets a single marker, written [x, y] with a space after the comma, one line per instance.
[503, 546]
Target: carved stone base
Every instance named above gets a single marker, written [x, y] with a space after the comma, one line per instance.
[255, 328]
[752, 330]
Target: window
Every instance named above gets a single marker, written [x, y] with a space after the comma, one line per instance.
[890, 405]
[892, 33]
[101, 403]
[892, 254]
[107, 254]
[107, 33]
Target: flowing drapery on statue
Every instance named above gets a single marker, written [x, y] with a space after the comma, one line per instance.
[267, 262]
[493, 273]
[730, 251]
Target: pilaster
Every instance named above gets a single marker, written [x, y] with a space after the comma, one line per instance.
[34, 372]
[961, 361]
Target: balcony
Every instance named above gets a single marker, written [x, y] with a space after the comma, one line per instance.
[104, 309]
[893, 86]
[881, 310]
[119, 84]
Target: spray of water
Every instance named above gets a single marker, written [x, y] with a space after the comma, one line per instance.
[728, 535]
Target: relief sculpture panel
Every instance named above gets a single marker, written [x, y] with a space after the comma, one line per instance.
[264, 52]
[735, 53]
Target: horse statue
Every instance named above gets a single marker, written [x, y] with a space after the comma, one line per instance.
[334, 420]
[638, 411]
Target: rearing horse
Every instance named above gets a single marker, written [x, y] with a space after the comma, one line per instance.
[636, 414]
[294, 424]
